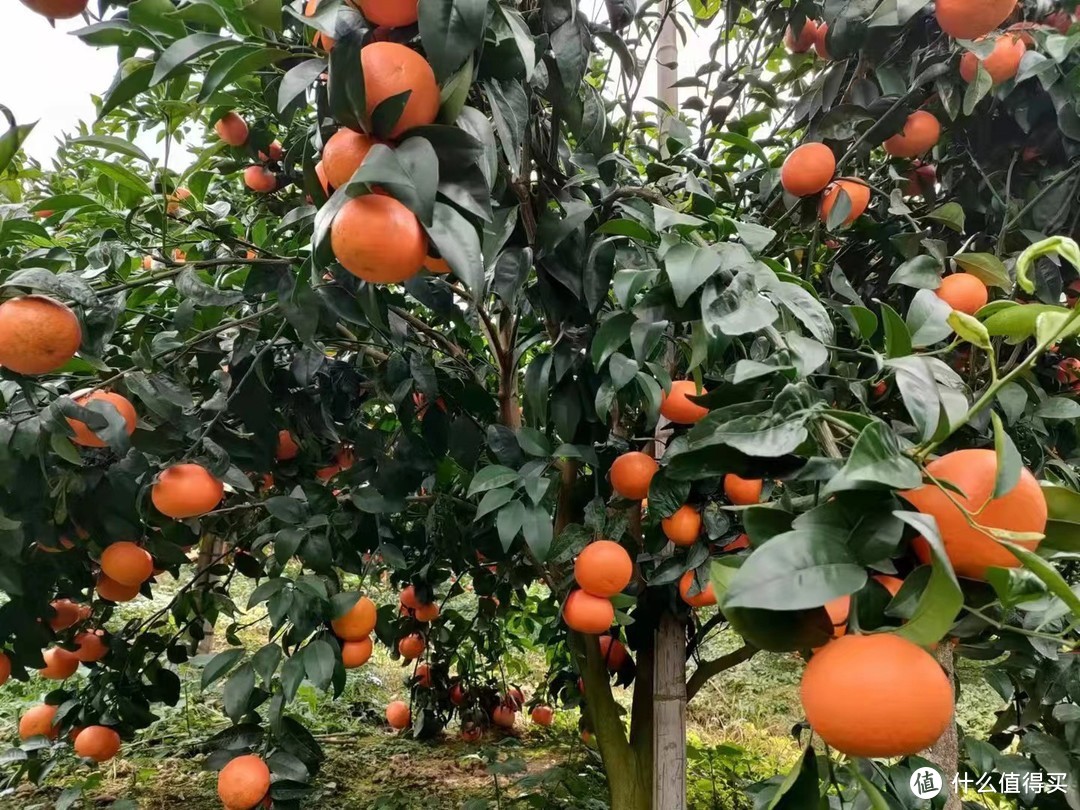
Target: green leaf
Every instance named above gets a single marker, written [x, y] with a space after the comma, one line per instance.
[237, 692]
[799, 790]
[927, 319]
[493, 499]
[537, 528]
[1047, 573]
[509, 522]
[132, 77]
[110, 143]
[1017, 322]
[800, 569]
[976, 91]
[409, 173]
[986, 267]
[897, 336]
[873, 796]
[185, 50]
[191, 286]
[533, 442]
[299, 78]
[1010, 465]
[1058, 408]
[239, 63]
[1061, 246]
[876, 459]
[491, 477]
[942, 598]
[951, 215]
[319, 660]
[969, 328]
[688, 267]
[345, 83]
[610, 336]
[450, 30]
[922, 272]
[219, 665]
[121, 174]
[458, 243]
[266, 13]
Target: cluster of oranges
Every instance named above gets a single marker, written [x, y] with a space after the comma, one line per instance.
[880, 695]
[95, 742]
[374, 236]
[601, 570]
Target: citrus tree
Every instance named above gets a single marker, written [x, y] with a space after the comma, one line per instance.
[443, 296]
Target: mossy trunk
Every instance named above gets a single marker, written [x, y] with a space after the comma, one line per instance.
[629, 779]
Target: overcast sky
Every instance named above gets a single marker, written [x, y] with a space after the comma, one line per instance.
[56, 89]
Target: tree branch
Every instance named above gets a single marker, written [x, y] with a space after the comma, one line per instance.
[706, 669]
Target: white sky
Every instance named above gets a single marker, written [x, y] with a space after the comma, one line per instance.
[49, 75]
[56, 90]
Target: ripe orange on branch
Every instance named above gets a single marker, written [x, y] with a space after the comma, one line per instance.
[683, 527]
[973, 550]
[743, 491]
[398, 714]
[391, 13]
[232, 129]
[391, 69]
[287, 448]
[542, 715]
[186, 490]
[631, 474]
[38, 721]
[127, 563]
[356, 653]
[876, 696]
[703, 598]
[587, 613]
[260, 179]
[805, 40]
[378, 239]
[603, 568]
[613, 652]
[676, 407]
[113, 591]
[358, 623]
[412, 646]
[970, 19]
[243, 782]
[99, 743]
[38, 334]
[84, 436]
[963, 292]
[808, 169]
[920, 134]
[60, 664]
[342, 155]
[92, 646]
[57, 9]
[1002, 64]
[858, 193]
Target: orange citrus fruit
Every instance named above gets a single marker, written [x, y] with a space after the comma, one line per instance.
[808, 169]
[876, 696]
[603, 568]
[38, 334]
[972, 550]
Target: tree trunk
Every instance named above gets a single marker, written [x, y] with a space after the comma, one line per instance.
[627, 777]
[945, 753]
[210, 548]
[669, 715]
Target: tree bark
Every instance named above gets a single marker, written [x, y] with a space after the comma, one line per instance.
[669, 715]
[210, 548]
[945, 753]
[627, 777]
